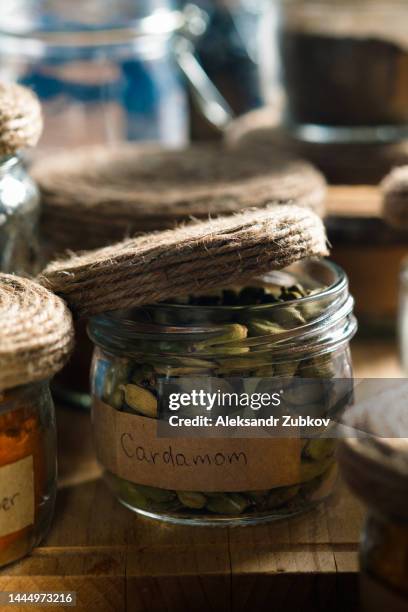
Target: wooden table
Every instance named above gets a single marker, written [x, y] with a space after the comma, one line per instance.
[117, 561]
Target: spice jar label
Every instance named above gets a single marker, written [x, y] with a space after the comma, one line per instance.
[128, 446]
[16, 496]
[375, 597]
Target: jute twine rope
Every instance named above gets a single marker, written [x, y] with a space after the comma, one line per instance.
[93, 197]
[376, 466]
[395, 198]
[192, 258]
[20, 118]
[36, 334]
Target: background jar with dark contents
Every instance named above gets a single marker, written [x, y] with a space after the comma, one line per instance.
[344, 69]
[226, 334]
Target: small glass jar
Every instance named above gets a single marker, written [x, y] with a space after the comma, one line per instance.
[344, 68]
[19, 217]
[196, 338]
[384, 564]
[109, 72]
[374, 463]
[27, 468]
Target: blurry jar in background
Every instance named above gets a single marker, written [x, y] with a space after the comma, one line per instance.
[104, 71]
[375, 465]
[228, 52]
[20, 128]
[344, 69]
[19, 218]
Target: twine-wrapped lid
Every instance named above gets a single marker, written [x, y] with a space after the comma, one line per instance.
[191, 258]
[20, 118]
[36, 333]
[93, 196]
[394, 188]
[375, 462]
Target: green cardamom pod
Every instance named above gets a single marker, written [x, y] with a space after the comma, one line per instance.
[319, 448]
[192, 499]
[140, 400]
[227, 503]
[263, 327]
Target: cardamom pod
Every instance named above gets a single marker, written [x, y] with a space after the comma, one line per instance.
[227, 503]
[140, 400]
[319, 448]
[192, 499]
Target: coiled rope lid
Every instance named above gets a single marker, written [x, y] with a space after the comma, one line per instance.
[394, 189]
[36, 333]
[20, 118]
[191, 258]
[375, 462]
[93, 197]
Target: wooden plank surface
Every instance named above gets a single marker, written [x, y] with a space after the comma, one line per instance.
[116, 560]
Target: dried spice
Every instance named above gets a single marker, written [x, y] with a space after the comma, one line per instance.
[345, 64]
[35, 341]
[219, 334]
[22, 436]
[345, 81]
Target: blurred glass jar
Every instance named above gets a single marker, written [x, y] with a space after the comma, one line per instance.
[105, 71]
[375, 465]
[19, 216]
[27, 468]
[229, 335]
[228, 52]
[344, 69]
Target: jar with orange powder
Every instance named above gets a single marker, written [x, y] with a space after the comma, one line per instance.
[35, 341]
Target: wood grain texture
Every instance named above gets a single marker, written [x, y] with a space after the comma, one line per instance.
[117, 561]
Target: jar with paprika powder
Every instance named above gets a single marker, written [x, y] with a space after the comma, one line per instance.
[35, 340]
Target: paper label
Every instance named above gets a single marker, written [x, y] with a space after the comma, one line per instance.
[16, 496]
[375, 597]
[127, 445]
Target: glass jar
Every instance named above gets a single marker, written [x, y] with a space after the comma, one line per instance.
[344, 68]
[371, 254]
[27, 468]
[374, 463]
[384, 564]
[228, 52]
[104, 73]
[19, 216]
[233, 334]
[108, 72]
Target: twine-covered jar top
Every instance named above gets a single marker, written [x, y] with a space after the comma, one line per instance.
[93, 196]
[36, 333]
[374, 460]
[20, 118]
[189, 259]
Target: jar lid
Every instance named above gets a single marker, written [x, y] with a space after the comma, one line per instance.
[394, 188]
[93, 196]
[194, 257]
[36, 333]
[20, 118]
[375, 461]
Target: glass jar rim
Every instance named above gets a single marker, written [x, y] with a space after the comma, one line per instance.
[331, 328]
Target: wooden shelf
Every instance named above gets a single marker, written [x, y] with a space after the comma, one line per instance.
[117, 561]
